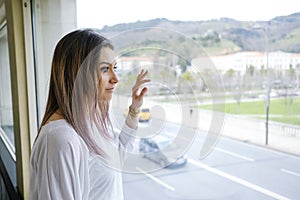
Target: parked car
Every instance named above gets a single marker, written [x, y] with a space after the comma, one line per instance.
[151, 149]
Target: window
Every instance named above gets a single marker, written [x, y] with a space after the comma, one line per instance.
[51, 21]
[7, 152]
[6, 116]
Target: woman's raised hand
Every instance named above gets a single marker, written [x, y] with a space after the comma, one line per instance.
[137, 97]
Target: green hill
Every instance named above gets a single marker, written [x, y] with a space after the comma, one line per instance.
[220, 36]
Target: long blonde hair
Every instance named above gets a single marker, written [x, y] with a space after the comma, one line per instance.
[74, 86]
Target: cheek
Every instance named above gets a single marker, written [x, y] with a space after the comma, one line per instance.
[104, 78]
[102, 81]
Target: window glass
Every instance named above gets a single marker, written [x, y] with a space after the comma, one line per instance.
[50, 22]
[7, 144]
[6, 113]
[226, 84]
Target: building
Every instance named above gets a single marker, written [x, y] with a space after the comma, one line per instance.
[241, 61]
[128, 63]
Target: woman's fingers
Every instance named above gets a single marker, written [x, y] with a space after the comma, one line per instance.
[140, 80]
[144, 90]
[138, 85]
[142, 74]
[137, 99]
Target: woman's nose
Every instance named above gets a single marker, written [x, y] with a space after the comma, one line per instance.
[114, 77]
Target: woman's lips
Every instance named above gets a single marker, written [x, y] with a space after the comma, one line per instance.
[110, 90]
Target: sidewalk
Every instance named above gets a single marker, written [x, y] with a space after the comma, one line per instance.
[281, 137]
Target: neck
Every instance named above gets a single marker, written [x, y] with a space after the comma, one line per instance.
[56, 116]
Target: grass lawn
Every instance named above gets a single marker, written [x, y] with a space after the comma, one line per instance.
[286, 110]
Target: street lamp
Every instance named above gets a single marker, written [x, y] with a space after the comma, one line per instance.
[269, 85]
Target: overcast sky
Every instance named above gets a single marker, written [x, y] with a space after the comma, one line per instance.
[97, 13]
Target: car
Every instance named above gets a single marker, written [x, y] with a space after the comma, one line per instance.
[151, 149]
[144, 114]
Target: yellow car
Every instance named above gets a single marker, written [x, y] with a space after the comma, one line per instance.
[144, 114]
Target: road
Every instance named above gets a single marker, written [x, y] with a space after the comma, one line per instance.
[233, 170]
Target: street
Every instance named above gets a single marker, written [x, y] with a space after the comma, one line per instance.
[241, 168]
[233, 170]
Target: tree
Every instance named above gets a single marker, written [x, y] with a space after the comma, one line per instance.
[186, 81]
[183, 64]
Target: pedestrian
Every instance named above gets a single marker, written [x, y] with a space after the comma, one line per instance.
[77, 154]
[191, 111]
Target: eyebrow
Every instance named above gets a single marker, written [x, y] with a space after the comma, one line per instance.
[107, 63]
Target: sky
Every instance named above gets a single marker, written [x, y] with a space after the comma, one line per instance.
[98, 13]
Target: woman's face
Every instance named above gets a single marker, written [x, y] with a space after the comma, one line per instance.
[108, 78]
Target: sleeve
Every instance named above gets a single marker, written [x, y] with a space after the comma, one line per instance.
[126, 138]
[125, 143]
[66, 168]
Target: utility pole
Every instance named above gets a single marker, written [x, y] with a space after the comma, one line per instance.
[269, 84]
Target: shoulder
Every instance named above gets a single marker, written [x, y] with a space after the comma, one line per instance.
[59, 136]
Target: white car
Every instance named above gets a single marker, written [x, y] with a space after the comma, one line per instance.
[151, 148]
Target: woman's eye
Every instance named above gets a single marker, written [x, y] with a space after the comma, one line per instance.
[104, 69]
[115, 68]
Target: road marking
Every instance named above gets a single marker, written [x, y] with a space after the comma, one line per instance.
[238, 180]
[156, 179]
[235, 154]
[290, 172]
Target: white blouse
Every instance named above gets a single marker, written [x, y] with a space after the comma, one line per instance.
[62, 168]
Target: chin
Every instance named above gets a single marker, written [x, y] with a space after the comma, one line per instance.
[107, 98]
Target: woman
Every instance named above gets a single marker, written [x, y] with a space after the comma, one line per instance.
[76, 153]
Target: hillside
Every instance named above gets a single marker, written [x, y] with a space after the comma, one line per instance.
[220, 36]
